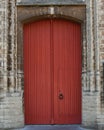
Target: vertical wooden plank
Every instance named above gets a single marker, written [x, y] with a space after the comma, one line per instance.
[67, 72]
[37, 72]
[52, 71]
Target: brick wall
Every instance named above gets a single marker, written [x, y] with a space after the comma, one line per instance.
[3, 46]
[100, 113]
[3, 55]
[11, 107]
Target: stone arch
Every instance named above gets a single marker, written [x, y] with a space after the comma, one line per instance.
[28, 14]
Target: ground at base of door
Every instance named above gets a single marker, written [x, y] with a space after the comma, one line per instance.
[53, 127]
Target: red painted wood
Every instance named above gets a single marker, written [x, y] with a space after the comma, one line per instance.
[67, 72]
[37, 73]
[52, 65]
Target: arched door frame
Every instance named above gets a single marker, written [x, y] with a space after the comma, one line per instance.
[40, 13]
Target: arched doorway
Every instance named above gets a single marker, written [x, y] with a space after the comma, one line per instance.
[52, 72]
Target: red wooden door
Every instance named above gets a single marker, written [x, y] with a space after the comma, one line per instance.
[67, 72]
[37, 72]
[52, 72]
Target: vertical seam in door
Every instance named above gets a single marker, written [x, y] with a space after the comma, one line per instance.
[52, 70]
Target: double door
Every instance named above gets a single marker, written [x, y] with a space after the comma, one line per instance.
[52, 72]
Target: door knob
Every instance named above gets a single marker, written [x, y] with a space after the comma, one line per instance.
[61, 96]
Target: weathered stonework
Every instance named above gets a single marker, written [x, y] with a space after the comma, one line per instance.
[50, 2]
[13, 14]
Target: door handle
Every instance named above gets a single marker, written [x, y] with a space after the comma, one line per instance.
[61, 96]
